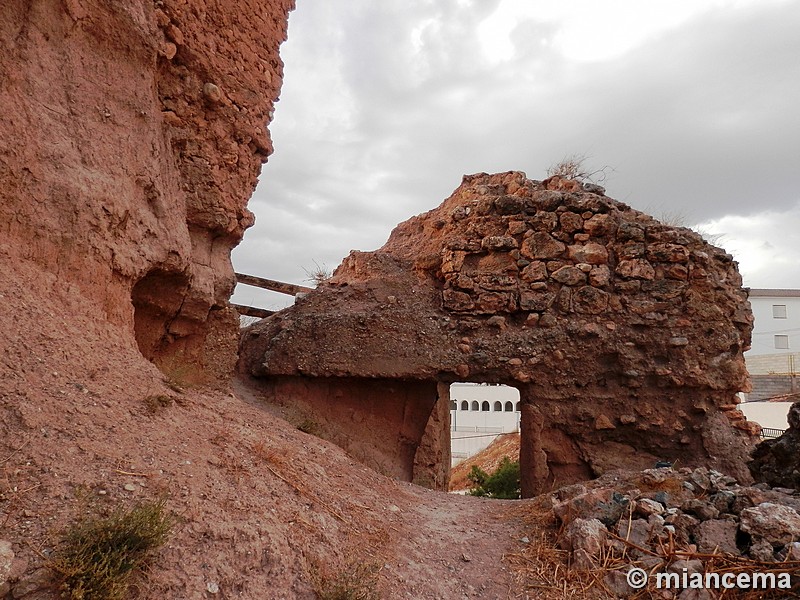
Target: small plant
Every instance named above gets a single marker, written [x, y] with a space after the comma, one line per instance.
[357, 581]
[98, 556]
[310, 427]
[157, 402]
[574, 167]
[317, 275]
[502, 484]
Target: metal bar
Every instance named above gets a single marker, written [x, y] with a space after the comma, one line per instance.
[290, 289]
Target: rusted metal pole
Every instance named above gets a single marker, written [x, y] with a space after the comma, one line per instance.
[251, 311]
[270, 284]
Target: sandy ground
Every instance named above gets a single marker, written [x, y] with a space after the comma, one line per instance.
[86, 425]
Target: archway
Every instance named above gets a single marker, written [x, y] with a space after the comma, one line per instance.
[474, 430]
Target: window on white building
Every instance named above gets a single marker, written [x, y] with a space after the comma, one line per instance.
[782, 342]
[778, 312]
[498, 406]
[509, 406]
[485, 406]
[475, 405]
[464, 405]
[453, 405]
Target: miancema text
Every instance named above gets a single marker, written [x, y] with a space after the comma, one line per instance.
[755, 581]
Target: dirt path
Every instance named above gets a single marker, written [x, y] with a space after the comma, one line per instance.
[432, 545]
[453, 547]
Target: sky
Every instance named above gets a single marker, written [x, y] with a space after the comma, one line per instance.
[690, 109]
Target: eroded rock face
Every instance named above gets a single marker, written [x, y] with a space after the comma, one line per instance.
[777, 462]
[133, 134]
[625, 334]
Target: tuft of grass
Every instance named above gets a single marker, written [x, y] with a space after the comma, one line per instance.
[98, 556]
[157, 402]
[310, 427]
[318, 275]
[356, 581]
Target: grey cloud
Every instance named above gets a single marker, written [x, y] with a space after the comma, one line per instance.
[372, 130]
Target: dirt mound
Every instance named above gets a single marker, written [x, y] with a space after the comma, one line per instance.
[487, 459]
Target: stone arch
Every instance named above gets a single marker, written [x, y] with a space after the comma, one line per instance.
[623, 335]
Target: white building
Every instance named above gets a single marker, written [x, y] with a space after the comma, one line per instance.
[777, 322]
[774, 357]
[478, 413]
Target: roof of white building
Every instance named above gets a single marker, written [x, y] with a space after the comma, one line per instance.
[774, 293]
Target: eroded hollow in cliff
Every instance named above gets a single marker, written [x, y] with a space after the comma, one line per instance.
[157, 298]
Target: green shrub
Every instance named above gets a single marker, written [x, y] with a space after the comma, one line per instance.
[97, 556]
[502, 484]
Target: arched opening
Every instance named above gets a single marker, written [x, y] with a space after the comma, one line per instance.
[491, 415]
[517, 408]
[453, 405]
[465, 405]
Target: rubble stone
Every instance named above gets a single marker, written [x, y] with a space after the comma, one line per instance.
[774, 523]
[777, 461]
[717, 536]
[586, 534]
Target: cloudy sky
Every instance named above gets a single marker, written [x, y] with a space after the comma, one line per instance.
[692, 107]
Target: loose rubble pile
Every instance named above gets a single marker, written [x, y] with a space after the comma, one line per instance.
[678, 521]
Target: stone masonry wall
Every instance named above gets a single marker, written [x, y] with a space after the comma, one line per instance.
[626, 334]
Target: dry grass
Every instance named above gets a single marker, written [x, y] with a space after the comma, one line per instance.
[318, 274]
[98, 557]
[574, 167]
[545, 571]
[357, 580]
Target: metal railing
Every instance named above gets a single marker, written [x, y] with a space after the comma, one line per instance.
[771, 433]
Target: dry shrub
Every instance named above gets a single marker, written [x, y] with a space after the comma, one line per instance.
[98, 556]
[574, 167]
[318, 274]
[355, 581]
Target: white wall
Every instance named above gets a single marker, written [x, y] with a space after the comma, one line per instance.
[766, 326]
[767, 414]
